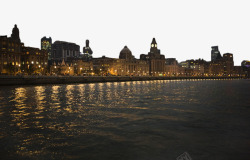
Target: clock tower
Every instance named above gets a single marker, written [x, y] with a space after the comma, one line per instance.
[155, 59]
[153, 48]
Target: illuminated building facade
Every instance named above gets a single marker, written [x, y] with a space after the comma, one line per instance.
[198, 67]
[228, 63]
[64, 50]
[34, 60]
[46, 44]
[84, 68]
[127, 65]
[155, 59]
[10, 53]
[102, 65]
[66, 60]
[62, 68]
[16, 58]
[172, 68]
[223, 66]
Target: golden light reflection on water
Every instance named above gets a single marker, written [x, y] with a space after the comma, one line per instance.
[19, 113]
[122, 83]
[100, 95]
[69, 94]
[55, 101]
[40, 101]
[55, 94]
[20, 96]
[81, 90]
[108, 91]
[50, 117]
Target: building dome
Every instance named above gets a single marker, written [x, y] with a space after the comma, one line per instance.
[125, 53]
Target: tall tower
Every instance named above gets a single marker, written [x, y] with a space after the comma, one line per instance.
[156, 60]
[87, 51]
[46, 44]
[228, 63]
[153, 48]
[215, 53]
[15, 34]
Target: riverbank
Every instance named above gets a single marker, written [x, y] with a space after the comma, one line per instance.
[34, 80]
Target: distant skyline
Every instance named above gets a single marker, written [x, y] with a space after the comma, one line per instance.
[183, 29]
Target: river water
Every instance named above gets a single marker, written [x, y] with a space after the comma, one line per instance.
[140, 120]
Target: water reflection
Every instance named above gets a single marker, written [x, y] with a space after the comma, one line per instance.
[115, 120]
[19, 111]
[40, 101]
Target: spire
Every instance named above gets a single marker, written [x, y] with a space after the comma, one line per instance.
[63, 63]
[87, 43]
[153, 41]
[15, 33]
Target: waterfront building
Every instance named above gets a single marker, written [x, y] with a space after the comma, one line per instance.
[216, 68]
[223, 66]
[128, 65]
[102, 65]
[64, 50]
[62, 68]
[198, 67]
[46, 44]
[16, 58]
[228, 63]
[172, 68]
[215, 53]
[34, 60]
[183, 64]
[201, 67]
[10, 53]
[156, 60]
[82, 67]
[66, 59]
[74, 67]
